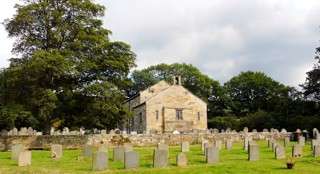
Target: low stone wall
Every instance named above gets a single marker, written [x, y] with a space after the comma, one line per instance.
[77, 141]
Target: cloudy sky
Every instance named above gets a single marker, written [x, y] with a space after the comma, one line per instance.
[220, 37]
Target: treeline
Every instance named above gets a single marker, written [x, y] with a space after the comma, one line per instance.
[68, 73]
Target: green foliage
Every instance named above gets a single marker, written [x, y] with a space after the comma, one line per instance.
[258, 120]
[68, 69]
[222, 122]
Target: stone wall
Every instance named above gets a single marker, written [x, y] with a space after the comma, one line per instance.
[77, 141]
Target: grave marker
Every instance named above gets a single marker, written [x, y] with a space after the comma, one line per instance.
[99, 161]
[131, 160]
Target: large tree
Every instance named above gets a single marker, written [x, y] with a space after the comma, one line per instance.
[250, 91]
[67, 69]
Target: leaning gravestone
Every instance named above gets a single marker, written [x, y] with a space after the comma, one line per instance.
[87, 151]
[131, 160]
[15, 150]
[280, 152]
[99, 161]
[185, 147]
[57, 148]
[118, 154]
[286, 141]
[212, 155]
[24, 158]
[254, 152]
[181, 159]
[202, 144]
[160, 158]
[316, 150]
[246, 142]
[228, 144]
[297, 151]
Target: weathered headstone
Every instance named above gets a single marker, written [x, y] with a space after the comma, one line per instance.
[181, 159]
[30, 131]
[163, 146]
[16, 149]
[14, 131]
[112, 132]
[207, 145]
[4, 132]
[118, 154]
[103, 132]
[160, 158]
[127, 147]
[218, 144]
[245, 130]
[245, 142]
[316, 150]
[302, 141]
[57, 148]
[270, 141]
[212, 155]
[315, 133]
[202, 144]
[280, 152]
[265, 130]
[185, 147]
[254, 152]
[228, 144]
[297, 151]
[24, 158]
[99, 161]
[283, 130]
[117, 131]
[87, 151]
[286, 141]
[133, 133]
[131, 160]
[65, 131]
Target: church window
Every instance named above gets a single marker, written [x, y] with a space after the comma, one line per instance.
[179, 114]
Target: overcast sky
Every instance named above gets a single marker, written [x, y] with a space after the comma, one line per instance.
[219, 37]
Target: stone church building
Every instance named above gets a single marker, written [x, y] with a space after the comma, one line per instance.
[164, 108]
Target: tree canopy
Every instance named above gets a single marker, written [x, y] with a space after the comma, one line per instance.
[68, 70]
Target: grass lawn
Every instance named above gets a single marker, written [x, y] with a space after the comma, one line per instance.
[231, 161]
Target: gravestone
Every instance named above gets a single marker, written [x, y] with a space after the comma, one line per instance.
[286, 141]
[87, 151]
[280, 152]
[181, 159]
[302, 141]
[131, 160]
[160, 158]
[265, 130]
[103, 147]
[118, 153]
[254, 131]
[163, 146]
[228, 144]
[30, 131]
[112, 132]
[185, 147]
[297, 151]
[117, 131]
[270, 141]
[4, 132]
[65, 131]
[24, 158]
[99, 161]
[218, 144]
[283, 130]
[124, 132]
[215, 131]
[207, 145]
[16, 149]
[316, 150]
[274, 144]
[57, 148]
[315, 133]
[127, 147]
[314, 142]
[14, 131]
[202, 144]
[133, 133]
[212, 155]
[254, 152]
[245, 142]
[245, 130]
[103, 132]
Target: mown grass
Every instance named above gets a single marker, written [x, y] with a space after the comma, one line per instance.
[231, 161]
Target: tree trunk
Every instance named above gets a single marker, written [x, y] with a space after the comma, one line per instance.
[46, 127]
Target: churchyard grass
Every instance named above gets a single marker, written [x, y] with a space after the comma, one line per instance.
[231, 161]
